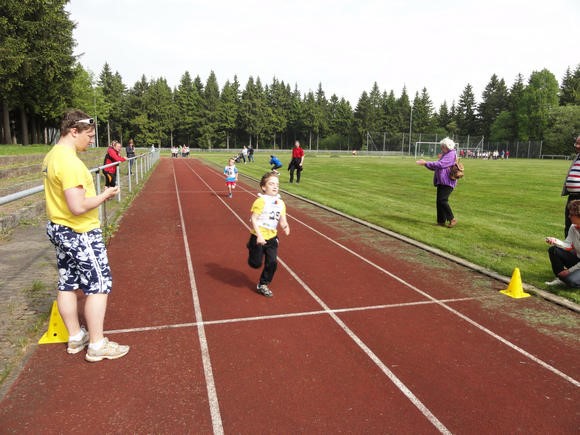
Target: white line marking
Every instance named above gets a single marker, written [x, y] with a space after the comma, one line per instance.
[207, 369]
[281, 316]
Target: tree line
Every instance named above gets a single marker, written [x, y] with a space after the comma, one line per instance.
[40, 77]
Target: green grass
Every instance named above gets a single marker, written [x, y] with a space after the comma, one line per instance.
[505, 208]
[14, 150]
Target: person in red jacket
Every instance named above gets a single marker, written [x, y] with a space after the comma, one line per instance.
[113, 155]
[296, 162]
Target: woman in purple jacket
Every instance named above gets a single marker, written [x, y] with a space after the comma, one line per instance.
[441, 180]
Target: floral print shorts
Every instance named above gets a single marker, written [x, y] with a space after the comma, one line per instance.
[81, 259]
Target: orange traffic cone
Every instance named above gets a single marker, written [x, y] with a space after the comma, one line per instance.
[57, 332]
[515, 289]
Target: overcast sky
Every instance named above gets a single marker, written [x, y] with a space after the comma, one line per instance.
[346, 45]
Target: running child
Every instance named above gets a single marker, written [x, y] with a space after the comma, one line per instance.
[267, 211]
[231, 173]
[276, 164]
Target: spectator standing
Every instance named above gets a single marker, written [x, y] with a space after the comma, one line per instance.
[297, 162]
[443, 182]
[130, 151]
[244, 154]
[250, 153]
[74, 229]
[572, 184]
[113, 155]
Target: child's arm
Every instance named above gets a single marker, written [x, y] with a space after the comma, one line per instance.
[284, 225]
[260, 238]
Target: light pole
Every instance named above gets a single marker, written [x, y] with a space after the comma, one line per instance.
[96, 119]
[410, 128]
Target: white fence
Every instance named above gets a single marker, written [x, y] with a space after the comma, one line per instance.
[137, 168]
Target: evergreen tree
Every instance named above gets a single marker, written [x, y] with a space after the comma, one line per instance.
[389, 119]
[422, 113]
[228, 109]
[211, 98]
[517, 109]
[494, 100]
[403, 111]
[186, 103]
[570, 88]
[466, 113]
[362, 117]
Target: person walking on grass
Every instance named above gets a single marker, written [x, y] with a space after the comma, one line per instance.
[74, 229]
[231, 173]
[443, 182]
[267, 211]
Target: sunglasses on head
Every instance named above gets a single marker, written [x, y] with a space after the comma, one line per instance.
[85, 121]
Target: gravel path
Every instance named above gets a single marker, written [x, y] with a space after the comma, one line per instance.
[27, 280]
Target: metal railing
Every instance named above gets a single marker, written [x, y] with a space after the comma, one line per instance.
[137, 167]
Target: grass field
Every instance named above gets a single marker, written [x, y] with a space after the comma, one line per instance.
[504, 208]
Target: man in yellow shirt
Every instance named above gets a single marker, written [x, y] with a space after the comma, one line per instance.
[74, 229]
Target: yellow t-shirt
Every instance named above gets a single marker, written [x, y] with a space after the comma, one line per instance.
[269, 210]
[62, 170]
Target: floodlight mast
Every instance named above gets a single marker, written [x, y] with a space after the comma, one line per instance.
[410, 131]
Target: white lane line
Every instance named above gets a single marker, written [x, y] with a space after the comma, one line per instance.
[283, 316]
[374, 358]
[216, 418]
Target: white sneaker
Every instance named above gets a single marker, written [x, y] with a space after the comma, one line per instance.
[555, 281]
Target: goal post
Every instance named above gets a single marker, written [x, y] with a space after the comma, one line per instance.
[427, 148]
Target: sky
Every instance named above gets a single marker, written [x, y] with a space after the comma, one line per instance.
[344, 45]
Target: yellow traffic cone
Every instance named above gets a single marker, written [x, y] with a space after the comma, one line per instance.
[57, 332]
[515, 289]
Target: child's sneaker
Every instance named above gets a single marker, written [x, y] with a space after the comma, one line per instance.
[264, 290]
[109, 350]
[229, 195]
[75, 346]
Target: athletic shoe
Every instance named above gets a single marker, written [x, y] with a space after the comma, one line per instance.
[230, 195]
[109, 350]
[76, 346]
[555, 281]
[264, 290]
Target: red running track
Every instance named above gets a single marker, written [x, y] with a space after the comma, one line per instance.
[364, 334]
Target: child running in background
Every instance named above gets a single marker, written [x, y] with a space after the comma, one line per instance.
[267, 210]
[276, 164]
[231, 173]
